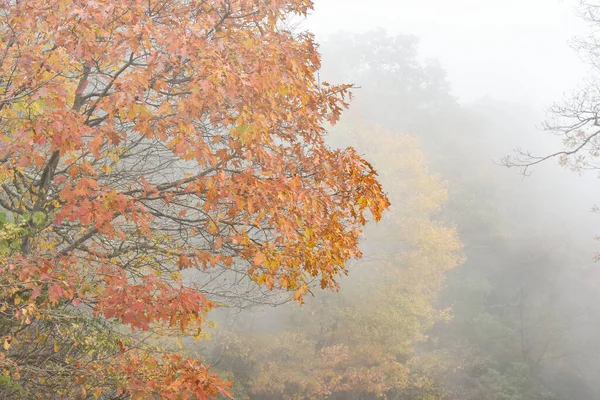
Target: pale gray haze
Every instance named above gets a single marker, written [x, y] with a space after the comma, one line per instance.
[515, 50]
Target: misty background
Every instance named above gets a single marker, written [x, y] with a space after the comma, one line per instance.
[517, 54]
[470, 82]
[513, 50]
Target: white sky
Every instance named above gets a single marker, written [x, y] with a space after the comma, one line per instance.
[513, 50]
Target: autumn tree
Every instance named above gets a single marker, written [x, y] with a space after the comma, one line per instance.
[363, 342]
[142, 140]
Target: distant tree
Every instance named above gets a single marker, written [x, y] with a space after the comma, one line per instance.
[397, 89]
[362, 343]
[140, 140]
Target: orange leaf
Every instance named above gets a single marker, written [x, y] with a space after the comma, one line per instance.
[259, 258]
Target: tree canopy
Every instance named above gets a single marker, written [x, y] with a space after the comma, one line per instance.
[143, 139]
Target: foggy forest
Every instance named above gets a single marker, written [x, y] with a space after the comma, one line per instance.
[300, 199]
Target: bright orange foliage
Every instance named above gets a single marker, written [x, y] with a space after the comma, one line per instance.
[141, 138]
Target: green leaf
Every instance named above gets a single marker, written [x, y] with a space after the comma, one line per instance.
[23, 218]
[4, 249]
[39, 218]
[15, 244]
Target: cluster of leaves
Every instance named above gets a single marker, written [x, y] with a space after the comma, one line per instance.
[158, 159]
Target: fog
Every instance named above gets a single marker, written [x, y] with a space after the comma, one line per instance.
[510, 50]
[517, 52]
[445, 91]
